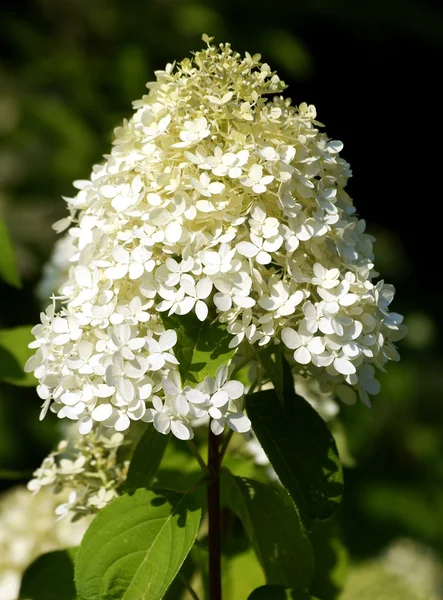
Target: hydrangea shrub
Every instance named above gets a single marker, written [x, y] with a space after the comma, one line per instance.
[214, 252]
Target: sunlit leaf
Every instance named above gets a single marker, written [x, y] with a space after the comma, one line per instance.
[14, 353]
[135, 546]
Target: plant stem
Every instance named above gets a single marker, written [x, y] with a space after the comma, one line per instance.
[188, 587]
[198, 456]
[214, 535]
[225, 444]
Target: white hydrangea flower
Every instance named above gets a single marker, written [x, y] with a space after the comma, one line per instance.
[88, 469]
[218, 201]
[28, 528]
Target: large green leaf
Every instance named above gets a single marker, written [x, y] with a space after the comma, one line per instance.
[201, 348]
[135, 546]
[300, 447]
[146, 459]
[49, 577]
[8, 267]
[275, 530]
[14, 353]
[278, 592]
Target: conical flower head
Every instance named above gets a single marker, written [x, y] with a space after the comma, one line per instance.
[222, 199]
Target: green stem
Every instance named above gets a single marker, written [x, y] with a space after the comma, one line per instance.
[247, 360]
[188, 587]
[225, 444]
[199, 457]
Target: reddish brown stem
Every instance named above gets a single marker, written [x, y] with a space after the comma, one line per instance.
[215, 587]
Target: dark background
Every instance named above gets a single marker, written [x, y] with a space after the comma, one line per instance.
[68, 73]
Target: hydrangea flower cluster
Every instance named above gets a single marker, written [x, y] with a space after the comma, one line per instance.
[27, 529]
[88, 470]
[222, 199]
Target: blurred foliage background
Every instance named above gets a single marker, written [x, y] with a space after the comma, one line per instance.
[68, 73]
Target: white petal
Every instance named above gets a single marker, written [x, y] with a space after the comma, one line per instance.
[181, 430]
[156, 362]
[234, 388]
[244, 301]
[215, 412]
[103, 391]
[302, 355]
[136, 270]
[247, 249]
[60, 325]
[256, 172]
[263, 258]
[239, 422]
[290, 338]
[170, 387]
[201, 310]
[168, 339]
[344, 366]
[203, 288]
[83, 276]
[216, 187]
[122, 423]
[85, 425]
[121, 255]
[316, 345]
[195, 396]
[126, 390]
[102, 412]
[222, 301]
[220, 398]
[173, 232]
[162, 423]
[218, 426]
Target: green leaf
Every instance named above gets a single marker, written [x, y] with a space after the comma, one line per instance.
[299, 445]
[201, 348]
[278, 592]
[8, 267]
[14, 353]
[146, 459]
[331, 560]
[135, 546]
[274, 527]
[49, 577]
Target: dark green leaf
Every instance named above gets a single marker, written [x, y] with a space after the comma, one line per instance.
[331, 560]
[49, 577]
[275, 530]
[146, 459]
[14, 353]
[135, 546]
[278, 592]
[279, 372]
[300, 447]
[8, 267]
[201, 347]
